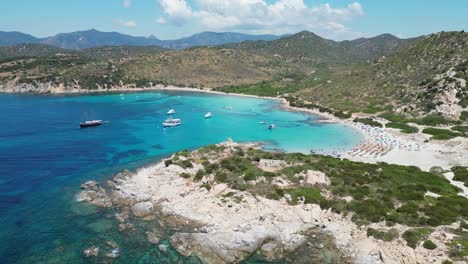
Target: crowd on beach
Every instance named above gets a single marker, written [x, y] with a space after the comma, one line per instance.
[379, 142]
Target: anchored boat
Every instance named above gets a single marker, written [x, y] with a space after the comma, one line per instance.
[208, 115]
[171, 112]
[172, 122]
[91, 123]
[271, 126]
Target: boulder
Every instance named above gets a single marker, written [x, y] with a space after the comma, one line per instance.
[268, 250]
[317, 178]
[142, 209]
[220, 247]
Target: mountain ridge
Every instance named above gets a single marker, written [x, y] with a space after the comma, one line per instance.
[94, 38]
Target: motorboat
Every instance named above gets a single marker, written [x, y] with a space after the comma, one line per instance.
[208, 115]
[91, 123]
[271, 126]
[171, 112]
[262, 122]
[172, 122]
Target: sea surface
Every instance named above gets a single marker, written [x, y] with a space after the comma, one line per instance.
[45, 156]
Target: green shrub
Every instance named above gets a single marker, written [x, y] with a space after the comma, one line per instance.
[395, 118]
[310, 194]
[403, 127]
[440, 134]
[385, 236]
[432, 120]
[464, 115]
[199, 175]
[368, 121]
[342, 115]
[414, 236]
[168, 162]
[428, 244]
[269, 174]
[206, 186]
[185, 164]
[461, 174]
[184, 175]
[462, 129]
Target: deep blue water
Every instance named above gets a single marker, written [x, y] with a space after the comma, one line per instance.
[45, 156]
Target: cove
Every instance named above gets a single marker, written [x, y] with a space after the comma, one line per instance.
[45, 156]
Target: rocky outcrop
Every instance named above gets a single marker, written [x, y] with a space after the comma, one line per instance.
[93, 193]
[220, 228]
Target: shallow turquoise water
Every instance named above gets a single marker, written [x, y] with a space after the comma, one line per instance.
[44, 156]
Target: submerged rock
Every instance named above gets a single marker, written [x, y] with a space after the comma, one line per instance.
[114, 253]
[163, 248]
[152, 237]
[91, 252]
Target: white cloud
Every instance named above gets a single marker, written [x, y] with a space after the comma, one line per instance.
[127, 3]
[125, 23]
[261, 17]
[178, 11]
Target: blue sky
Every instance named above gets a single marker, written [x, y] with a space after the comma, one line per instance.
[166, 19]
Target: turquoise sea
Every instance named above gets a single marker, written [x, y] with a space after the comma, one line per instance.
[45, 156]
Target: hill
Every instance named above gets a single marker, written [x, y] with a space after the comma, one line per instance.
[14, 37]
[308, 48]
[426, 77]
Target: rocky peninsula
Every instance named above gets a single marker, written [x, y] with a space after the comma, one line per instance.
[232, 200]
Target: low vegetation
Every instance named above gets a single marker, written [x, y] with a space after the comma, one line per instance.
[380, 192]
[461, 174]
[387, 236]
[414, 236]
[368, 121]
[439, 133]
[405, 128]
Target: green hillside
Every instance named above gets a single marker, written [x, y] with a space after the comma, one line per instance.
[411, 81]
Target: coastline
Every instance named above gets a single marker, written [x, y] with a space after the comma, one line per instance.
[429, 153]
[224, 225]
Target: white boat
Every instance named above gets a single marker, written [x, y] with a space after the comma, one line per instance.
[271, 126]
[208, 115]
[171, 112]
[172, 122]
[262, 122]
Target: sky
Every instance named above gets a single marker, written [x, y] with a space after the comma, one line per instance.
[170, 19]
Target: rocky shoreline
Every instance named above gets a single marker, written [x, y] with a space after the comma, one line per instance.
[222, 225]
